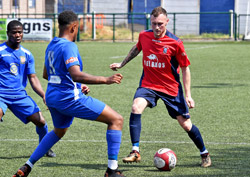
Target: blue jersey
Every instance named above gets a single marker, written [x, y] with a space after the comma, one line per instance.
[15, 65]
[60, 55]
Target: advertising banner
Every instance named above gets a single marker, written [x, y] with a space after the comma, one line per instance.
[3, 29]
[36, 29]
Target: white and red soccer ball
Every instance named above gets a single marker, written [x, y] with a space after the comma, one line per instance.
[165, 159]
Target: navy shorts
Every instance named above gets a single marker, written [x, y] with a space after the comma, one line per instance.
[176, 106]
[84, 107]
[22, 107]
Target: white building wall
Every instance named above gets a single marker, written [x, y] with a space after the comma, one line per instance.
[241, 8]
[111, 6]
[185, 23]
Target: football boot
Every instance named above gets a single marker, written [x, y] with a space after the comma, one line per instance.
[206, 160]
[134, 156]
[23, 171]
[113, 173]
[50, 153]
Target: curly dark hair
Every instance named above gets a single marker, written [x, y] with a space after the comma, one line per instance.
[158, 10]
[13, 24]
[67, 17]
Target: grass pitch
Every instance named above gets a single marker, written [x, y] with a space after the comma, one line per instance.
[220, 86]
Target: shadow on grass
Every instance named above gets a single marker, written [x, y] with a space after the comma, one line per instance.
[123, 167]
[219, 85]
[81, 165]
[228, 162]
[234, 158]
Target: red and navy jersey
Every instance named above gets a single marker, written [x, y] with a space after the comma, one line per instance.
[162, 59]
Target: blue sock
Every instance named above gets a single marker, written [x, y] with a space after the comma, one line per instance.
[135, 128]
[195, 135]
[47, 142]
[114, 141]
[42, 131]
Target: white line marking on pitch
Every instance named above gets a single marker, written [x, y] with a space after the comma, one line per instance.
[148, 142]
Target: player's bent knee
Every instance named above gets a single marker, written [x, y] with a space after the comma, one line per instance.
[136, 109]
[139, 104]
[60, 132]
[37, 119]
[186, 126]
[119, 121]
[42, 121]
[116, 123]
[1, 113]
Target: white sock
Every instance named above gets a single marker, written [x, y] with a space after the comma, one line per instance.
[204, 152]
[30, 164]
[136, 148]
[113, 164]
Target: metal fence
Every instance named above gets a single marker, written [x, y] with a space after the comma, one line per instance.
[126, 26]
[243, 27]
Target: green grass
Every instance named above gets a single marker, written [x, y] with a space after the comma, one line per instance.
[206, 36]
[220, 87]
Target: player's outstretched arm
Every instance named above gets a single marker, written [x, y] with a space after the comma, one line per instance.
[186, 75]
[36, 85]
[86, 78]
[45, 74]
[131, 55]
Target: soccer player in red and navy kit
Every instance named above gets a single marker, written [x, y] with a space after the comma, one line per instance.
[163, 56]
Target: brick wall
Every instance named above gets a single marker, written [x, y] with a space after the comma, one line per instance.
[9, 8]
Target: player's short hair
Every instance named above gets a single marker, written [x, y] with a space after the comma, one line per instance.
[159, 10]
[66, 17]
[13, 24]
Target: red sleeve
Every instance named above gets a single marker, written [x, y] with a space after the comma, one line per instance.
[181, 56]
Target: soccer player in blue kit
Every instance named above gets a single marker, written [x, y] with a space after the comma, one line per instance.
[66, 99]
[17, 66]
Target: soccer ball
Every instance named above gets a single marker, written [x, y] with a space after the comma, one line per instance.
[165, 159]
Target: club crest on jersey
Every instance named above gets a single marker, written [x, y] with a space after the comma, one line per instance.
[14, 68]
[165, 50]
[22, 59]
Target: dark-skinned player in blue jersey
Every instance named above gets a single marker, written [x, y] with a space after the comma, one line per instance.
[17, 67]
[66, 96]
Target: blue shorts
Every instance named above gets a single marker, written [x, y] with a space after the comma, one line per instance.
[22, 107]
[176, 106]
[85, 107]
